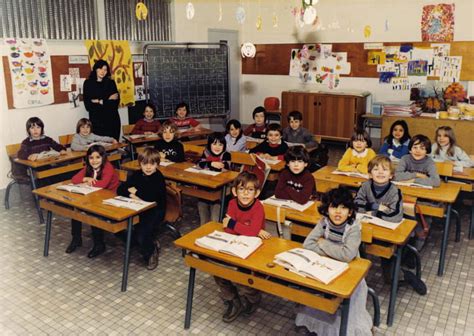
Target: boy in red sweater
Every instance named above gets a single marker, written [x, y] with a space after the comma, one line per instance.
[245, 216]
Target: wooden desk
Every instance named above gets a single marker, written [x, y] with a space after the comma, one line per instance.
[273, 280]
[397, 239]
[88, 209]
[176, 172]
[446, 193]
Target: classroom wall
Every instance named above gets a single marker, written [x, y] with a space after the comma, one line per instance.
[342, 20]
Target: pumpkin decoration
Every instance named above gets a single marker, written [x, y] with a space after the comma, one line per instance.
[455, 92]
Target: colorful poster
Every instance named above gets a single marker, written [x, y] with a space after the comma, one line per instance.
[450, 69]
[30, 69]
[117, 54]
[375, 57]
[418, 68]
[441, 49]
[437, 23]
[400, 83]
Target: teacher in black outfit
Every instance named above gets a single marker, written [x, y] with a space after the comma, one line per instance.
[101, 100]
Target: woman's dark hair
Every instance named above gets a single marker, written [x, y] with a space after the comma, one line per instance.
[97, 65]
[180, 105]
[103, 153]
[406, 134]
[361, 135]
[152, 106]
[236, 124]
[334, 198]
[297, 153]
[420, 139]
[215, 137]
[34, 121]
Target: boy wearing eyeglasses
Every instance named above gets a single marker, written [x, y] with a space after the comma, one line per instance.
[245, 216]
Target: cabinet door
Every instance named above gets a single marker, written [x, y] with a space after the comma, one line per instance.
[337, 116]
[293, 101]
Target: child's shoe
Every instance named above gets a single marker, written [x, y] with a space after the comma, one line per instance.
[75, 243]
[248, 307]
[234, 308]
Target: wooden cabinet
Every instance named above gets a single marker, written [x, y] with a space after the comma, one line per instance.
[333, 116]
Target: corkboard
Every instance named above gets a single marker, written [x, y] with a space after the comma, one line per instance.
[274, 59]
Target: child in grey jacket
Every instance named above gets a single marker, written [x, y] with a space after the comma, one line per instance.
[84, 136]
[296, 133]
[418, 167]
[337, 235]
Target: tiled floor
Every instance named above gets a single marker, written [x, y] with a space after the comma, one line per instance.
[73, 295]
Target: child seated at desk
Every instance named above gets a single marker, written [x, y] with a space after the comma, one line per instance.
[296, 133]
[257, 130]
[245, 216]
[236, 140]
[295, 182]
[338, 236]
[148, 125]
[357, 156]
[84, 136]
[100, 173]
[273, 147]
[37, 142]
[446, 148]
[418, 167]
[147, 185]
[182, 121]
[170, 148]
[214, 158]
[396, 143]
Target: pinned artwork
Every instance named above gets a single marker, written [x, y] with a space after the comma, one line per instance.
[367, 31]
[309, 16]
[437, 23]
[220, 12]
[240, 14]
[30, 69]
[258, 24]
[375, 57]
[141, 11]
[189, 11]
[274, 20]
[248, 50]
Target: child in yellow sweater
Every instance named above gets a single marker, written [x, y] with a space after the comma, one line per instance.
[357, 156]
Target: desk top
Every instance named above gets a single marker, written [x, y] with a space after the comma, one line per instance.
[467, 174]
[176, 172]
[91, 203]
[446, 192]
[343, 286]
[69, 156]
[145, 139]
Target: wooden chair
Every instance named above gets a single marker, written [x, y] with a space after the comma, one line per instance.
[174, 210]
[277, 215]
[444, 169]
[248, 162]
[66, 140]
[17, 172]
[192, 152]
[127, 129]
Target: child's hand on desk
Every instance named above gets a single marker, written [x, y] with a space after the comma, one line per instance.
[266, 156]
[89, 180]
[113, 96]
[409, 181]
[162, 156]
[114, 142]
[63, 152]
[383, 208]
[217, 165]
[420, 175]
[133, 196]
[225, 221]
[33, 157]
[264, 234]
[132, 190]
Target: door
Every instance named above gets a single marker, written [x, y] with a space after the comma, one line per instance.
[232, 39]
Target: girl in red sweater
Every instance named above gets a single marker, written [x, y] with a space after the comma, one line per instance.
[100, 173]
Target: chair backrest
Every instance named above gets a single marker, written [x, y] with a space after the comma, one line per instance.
[66, 139]
[12, 149]
[444, 168]
[251, 163]
[277, 215]
[242, 158]
[318, 138]
[127, 129]
[173, 203]
[193, 148]
[122, 175]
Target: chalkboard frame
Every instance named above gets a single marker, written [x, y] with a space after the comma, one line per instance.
[147, 50]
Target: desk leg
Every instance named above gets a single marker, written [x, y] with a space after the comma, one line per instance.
[223, 196]
[394, 287]
[444, 242]
[344, 317]
[126, 258]
[471, 226]
[132, 151]
[189, 300]
[36, 198]
[47, 234]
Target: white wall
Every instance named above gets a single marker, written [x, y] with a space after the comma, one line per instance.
[404, 25]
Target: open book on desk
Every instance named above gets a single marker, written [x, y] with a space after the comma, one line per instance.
[352, 174]
[100, 143]
[239, 246]
[269, 161]
[367, 218]
[287, 203]
[139, 136]
[82, 188]
[47, 154]
[311, 265]
[202, 171]
[125, 202]
[412, 184]
[166, 163]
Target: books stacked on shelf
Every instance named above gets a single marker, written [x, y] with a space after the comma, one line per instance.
[401, 109]
[83, 189]
[287, 203]
[311, 265]
[128, 203]
[367, 218]
[238, 246]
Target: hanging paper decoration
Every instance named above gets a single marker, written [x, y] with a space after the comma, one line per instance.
[141, 11]
[309, 15]
[367, 31]
[387, 25]
[189, 11]
[220, 11]
[258, 24]
[437, 23]
[248, 50]
[240, 15]
[30, 69]
[274, 20]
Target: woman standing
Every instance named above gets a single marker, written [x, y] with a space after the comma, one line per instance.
[101, 100]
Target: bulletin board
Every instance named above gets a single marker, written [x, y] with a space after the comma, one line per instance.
[274, 59]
